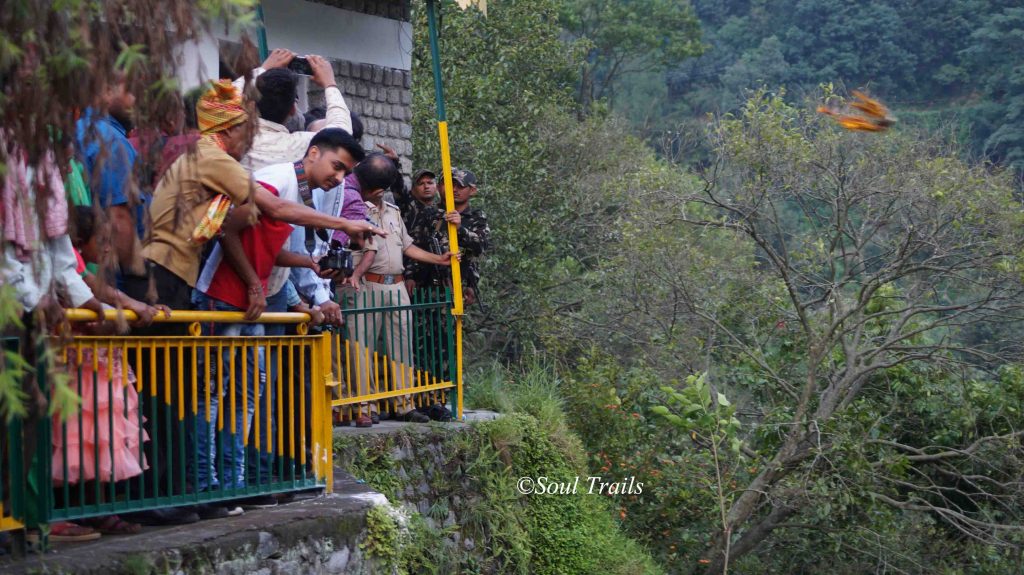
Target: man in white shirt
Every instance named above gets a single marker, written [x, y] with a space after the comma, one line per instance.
[278, 92]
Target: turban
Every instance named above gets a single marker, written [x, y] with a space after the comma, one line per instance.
[220, 108]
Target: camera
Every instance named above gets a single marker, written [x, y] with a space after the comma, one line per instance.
[300, 65]
[337, 258]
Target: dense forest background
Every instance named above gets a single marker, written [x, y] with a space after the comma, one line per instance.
[948, 65]
[805, 341]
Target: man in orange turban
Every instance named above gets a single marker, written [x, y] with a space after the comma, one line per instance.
[220, 108]
[179, 203]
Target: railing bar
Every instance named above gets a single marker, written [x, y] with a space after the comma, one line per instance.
[139, 383]
[435, 356]
[291, 410]
[225, 359]
[302, 410]
[248, 379]
[268, 428]
[195, 405]
[405, 330]
[386, 326]
[169, 448]
[280, 410]
[455, 399]
[110, 414]
[181, 459]
[81, 437]
[363, 383]
[348, 376]
[232, 418]
[408, 351]
[373, 309]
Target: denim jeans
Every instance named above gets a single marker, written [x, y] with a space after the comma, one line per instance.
[230, 442]
[268, 422]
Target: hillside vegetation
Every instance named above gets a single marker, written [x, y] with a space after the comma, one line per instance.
[804, 340]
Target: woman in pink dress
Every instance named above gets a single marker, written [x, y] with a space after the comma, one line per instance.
[106, 430]
[103, 440]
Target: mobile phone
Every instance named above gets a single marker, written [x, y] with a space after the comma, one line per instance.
[300, 65]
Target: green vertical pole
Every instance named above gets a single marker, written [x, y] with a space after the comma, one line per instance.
[449, 200]
[261, 33]
[435, 60]
[446, 162]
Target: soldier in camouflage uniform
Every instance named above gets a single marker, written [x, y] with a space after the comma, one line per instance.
[424, 219]
[422, 215]
[474, 233]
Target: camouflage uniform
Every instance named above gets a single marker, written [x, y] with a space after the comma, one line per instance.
[474, 240]
[425, 224]
[421, 223]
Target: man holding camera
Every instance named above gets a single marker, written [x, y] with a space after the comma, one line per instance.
[252, 253]
[303, 182]
[277, 83]
[379, 282]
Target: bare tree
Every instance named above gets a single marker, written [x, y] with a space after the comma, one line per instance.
[886, 247]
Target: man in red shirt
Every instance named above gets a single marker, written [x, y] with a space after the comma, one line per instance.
[251, 253]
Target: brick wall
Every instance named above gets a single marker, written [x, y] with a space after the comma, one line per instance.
[382, 97]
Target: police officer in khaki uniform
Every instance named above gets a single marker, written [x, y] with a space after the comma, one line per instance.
[378, 282]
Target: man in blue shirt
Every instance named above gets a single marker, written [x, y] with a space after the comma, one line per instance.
[109, 158]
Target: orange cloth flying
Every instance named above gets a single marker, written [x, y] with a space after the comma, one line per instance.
[865, 114]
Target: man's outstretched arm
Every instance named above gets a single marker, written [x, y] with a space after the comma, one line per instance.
[300, 215]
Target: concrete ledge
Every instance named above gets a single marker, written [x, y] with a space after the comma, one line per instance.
[390, 426]
[314, 534]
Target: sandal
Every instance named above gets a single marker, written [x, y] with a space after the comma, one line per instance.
[66, 531]
[114, 525]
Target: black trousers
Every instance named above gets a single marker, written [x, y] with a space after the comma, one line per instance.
[167, 451]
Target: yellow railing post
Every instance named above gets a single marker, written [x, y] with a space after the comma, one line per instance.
[323, 413]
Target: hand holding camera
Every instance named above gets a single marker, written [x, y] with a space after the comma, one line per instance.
[336, 263]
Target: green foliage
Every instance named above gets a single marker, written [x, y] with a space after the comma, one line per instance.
[12, 365]
[610, 406]
[382, 537]
[375, 467]
[423, 550]
[499, 529]
[947, 64]
[488, 389]
[695, 409]
[1001, 77]
[624, 271]
[628, 36]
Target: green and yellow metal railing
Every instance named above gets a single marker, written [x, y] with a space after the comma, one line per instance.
[132, 443]
[12, 469]
[144, 401]
[416, 364]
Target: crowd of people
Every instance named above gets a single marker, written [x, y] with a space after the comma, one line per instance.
[241, 203]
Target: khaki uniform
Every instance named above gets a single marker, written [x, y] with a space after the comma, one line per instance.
[365, 330]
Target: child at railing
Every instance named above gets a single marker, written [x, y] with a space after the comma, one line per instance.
[103, 442]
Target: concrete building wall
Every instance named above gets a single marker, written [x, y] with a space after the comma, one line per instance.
[337, 33]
